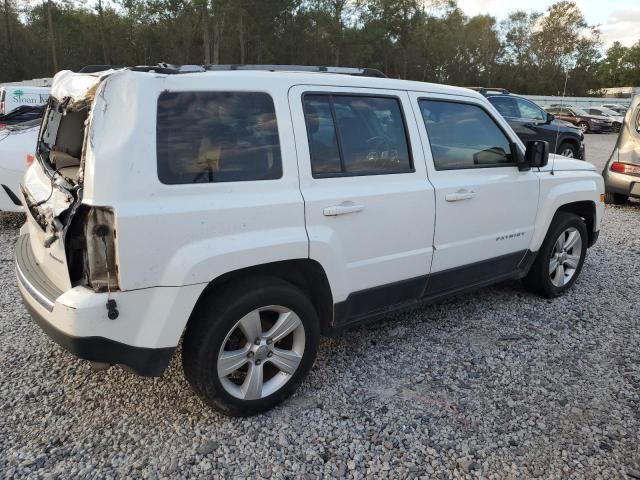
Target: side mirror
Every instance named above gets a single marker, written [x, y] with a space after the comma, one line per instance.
[537, 153]
[550, 118]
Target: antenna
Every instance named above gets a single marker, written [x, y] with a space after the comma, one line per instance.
[564, 92]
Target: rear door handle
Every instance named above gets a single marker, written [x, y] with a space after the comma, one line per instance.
[342, 209]
[460, 195]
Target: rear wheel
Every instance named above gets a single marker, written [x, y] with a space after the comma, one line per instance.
[616, 198]
[584, 126]
[568, 150]
[560, 258]
[250, 346]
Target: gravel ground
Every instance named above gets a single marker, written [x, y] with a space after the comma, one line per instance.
[495, 384]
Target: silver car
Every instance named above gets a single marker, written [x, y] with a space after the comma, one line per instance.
[622, 172]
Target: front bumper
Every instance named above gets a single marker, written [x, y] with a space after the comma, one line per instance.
[601, 128]
[77, 319]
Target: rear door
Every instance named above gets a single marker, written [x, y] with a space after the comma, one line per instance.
[369, 207]
[485, 206]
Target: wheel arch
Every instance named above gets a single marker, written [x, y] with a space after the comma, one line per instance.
[586, 209]
[580, 196]
[306, 274]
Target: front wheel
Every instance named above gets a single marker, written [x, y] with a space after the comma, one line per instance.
[249, 346]
[560, 258]
[584, 126]
[568, 150]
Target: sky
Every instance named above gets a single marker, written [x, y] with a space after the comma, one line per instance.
[617, 19]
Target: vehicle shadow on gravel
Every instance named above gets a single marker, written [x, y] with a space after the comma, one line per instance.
[495, 382]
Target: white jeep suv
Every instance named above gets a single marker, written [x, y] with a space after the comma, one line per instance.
[247, 212]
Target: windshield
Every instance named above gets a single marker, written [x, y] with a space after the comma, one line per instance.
[579, 111]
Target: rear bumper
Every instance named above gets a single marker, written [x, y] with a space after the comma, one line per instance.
[622, 184]
[148, 362]
[142, 338]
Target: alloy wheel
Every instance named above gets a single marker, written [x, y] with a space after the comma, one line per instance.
[261, 352]
[565, 257]
[567, 152]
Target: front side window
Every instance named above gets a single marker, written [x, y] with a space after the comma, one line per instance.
[530, 111]
[205, 137]
[463, 135]
[638, 121]
[355, 135]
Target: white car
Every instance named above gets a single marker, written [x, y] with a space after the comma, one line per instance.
[248, 212]
[12, 96]
[17, 148]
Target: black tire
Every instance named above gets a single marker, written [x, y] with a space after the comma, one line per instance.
[568, 146]
[538, 280]
[216, 317]
[616, 198]
[584, 126]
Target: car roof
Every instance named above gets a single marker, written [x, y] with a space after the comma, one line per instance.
[65, 80]
[321, 78]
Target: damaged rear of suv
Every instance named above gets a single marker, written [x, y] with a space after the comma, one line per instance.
[66, 257]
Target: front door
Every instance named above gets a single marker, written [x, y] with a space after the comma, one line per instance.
[485, 206]
[369, 207]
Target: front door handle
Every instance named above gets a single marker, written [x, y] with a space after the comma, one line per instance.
[460, 195]
[342, 209]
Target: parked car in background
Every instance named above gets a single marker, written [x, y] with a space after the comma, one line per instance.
[583, 120]
[615, 117]
[17, 143]
[616, 107]
[23, 113]
[278, 206]
[622, 171]
[530, 122]
[13, 96]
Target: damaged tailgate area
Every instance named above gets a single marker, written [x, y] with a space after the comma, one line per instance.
[80, 238]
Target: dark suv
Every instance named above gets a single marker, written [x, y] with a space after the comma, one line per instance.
[530, 122]
[586, 122]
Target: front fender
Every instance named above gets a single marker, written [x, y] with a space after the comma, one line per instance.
[563, 188]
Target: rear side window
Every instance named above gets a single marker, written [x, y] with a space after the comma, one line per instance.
[463, 135]
[505, 105]
[356, 135]
[205, 137]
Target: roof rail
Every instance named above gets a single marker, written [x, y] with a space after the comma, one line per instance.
[168, 68]
[95, 68]
[363, 72]
[485, 90]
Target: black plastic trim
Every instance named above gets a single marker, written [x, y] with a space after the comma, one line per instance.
[12, 196]
[375, 303]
